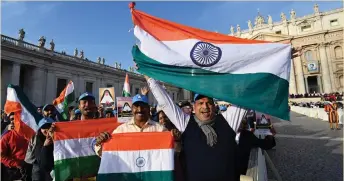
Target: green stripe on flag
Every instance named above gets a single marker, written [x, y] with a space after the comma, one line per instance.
[76, 167]
[139, 176]
[126, 94]
[263, 92]
[67, 100]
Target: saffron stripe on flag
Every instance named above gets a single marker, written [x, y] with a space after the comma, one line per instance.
[84, 129]
[124, 142]
[164, 30]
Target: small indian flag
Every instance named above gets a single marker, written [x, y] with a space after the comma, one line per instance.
[126, 87]
[66, 97]
[74, 155]
[26, 117]
[249, 73]
[138, 156]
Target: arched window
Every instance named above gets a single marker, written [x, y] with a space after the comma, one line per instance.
[338, 52]
[341, 81]
[309, 55]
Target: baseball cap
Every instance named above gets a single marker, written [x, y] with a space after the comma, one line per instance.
[223, 108]
[47, 106]
[77, 111]
[43, 121]
[140, 98]
[86, 95]
[199, 96]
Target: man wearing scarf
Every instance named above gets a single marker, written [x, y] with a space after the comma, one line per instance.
[209, 146]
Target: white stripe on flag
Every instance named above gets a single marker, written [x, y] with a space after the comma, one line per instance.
[236, 58]
[128, 161]
[73, 148]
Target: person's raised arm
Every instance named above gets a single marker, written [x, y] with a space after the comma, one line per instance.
[234, 116]
[172, 111]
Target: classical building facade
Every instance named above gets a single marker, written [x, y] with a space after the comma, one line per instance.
[43, 73]
[319, 35]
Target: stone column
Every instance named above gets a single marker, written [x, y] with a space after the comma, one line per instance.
[306, 83]
[292, 84]
[15, 74]
[320, 84]
[299, 76]
[330, 66]
[38, 82]
[51, 86]
[325, 70]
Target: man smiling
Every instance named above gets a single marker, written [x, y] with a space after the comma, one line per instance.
[140, 122]
[209, 148]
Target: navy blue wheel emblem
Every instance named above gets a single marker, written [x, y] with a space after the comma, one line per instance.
[140, 162]
[205, 54]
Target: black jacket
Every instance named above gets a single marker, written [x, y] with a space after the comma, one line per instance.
[247, 141]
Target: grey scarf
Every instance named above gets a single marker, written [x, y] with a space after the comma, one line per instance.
[208, 130]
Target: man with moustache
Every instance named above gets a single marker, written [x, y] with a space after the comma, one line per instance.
[87, 106]
[209, 147]
[141, 121]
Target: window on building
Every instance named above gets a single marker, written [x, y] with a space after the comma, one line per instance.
[137, 91]
[306, 28]
[309, 55]
[131, 89]
[89, 87]
[61, 84]
[108, 85]
[338, 52]
[334, 22]
[173, 96]
[278, 32]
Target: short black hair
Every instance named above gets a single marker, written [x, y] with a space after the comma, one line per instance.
[185, 103]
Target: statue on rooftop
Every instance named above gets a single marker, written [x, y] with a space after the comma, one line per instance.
[316, 8]
[99, 60]
[52, 45]
[103, 61]
[21, 34]
[76, 52]
[82, 56]
[232, 30]
[292, 14]
[270, 20]
[249, 23]
[238, 29]
[283, 17]
[119, 65]
[41, 41]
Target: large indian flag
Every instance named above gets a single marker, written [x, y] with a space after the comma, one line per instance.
[138, 156]
[74, 155]
[66, 97]
[26, 117]
[248, 73]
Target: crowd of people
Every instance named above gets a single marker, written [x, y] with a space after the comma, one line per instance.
[204, 132]
[330, 107]
[335, 96]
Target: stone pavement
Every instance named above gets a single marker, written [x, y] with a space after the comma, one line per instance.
[307, 150]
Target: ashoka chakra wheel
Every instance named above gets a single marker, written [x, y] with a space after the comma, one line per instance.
[205, 54]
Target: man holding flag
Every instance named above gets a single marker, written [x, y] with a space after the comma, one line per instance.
[248, 73]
